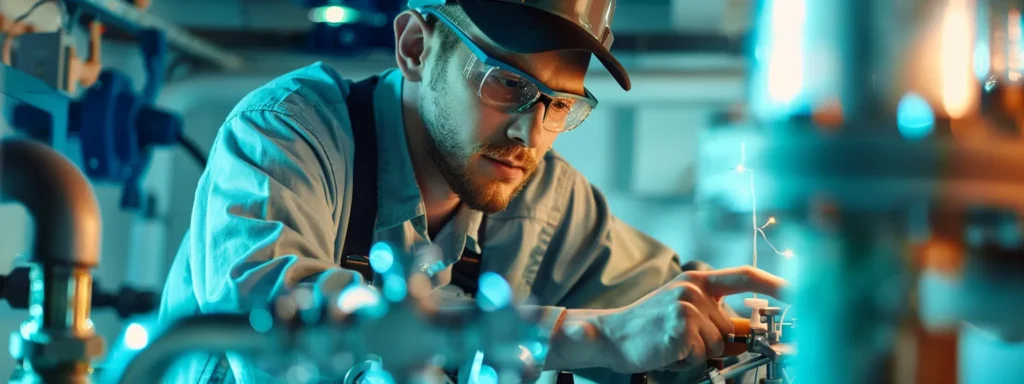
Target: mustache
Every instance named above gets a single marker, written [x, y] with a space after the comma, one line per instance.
[517, 153]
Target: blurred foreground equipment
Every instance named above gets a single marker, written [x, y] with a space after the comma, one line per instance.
[395, 336]
[889, 136]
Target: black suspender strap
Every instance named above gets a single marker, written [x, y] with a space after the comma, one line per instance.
[363, 207]
[359, 233]
[466, 271]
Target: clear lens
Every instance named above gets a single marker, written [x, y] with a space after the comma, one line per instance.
[510, 92]
[579, 112]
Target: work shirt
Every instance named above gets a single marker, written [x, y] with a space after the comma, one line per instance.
[270, 214]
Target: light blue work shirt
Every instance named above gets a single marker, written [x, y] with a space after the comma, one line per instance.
[271, 214]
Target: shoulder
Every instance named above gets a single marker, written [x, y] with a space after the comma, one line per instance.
[551, 192]
[309, 87]
[304, 106]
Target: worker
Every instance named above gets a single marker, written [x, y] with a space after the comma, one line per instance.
[459, 139]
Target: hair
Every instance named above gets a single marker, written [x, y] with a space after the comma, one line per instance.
[448, 42]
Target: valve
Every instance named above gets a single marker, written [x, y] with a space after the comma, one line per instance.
[126, 301]
[118, 128]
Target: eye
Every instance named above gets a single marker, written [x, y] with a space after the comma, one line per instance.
[508, 79]
[510, 82]
[562, 104]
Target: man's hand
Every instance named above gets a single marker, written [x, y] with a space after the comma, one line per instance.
[675, 327]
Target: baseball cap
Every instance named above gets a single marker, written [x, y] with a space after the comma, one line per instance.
[535, 26]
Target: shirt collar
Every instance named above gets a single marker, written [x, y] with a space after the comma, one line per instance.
[399, 197]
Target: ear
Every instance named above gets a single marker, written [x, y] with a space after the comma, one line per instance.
[412, 35]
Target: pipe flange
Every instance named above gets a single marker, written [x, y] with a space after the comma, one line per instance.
[56, 349]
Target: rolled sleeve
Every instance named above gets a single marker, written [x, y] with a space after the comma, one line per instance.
[265, 214]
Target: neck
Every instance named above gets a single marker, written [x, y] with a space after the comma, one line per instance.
[438, 198]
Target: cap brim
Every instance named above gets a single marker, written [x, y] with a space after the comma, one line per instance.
[525, 30]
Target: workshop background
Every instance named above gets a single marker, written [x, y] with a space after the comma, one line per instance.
[641, 148]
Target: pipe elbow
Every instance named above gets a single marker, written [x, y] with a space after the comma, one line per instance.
[57, 196]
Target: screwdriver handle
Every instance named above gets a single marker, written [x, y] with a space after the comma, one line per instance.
[738, 343]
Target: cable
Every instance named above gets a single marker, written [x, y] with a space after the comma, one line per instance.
[192, 149]
[60, 6]
[782, 319]
[757, 230]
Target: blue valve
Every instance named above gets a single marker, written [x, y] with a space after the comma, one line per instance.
[118, 128]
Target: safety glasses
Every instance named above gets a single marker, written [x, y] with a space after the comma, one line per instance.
[511, 90]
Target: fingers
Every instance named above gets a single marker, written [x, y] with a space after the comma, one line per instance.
[701, 334]
[708, 307]
[714, 342]
[730, 281]
[697, 355]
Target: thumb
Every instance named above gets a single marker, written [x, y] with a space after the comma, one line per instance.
[731, 281]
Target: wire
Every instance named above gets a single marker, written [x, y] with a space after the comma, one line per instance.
[60, 6]
[782, 319]
[753, 202]
[786, 375]
[757, 230]
[192, 149]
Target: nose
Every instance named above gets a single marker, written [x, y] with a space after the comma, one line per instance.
[528, 127]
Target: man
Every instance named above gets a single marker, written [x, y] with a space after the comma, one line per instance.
[464, 128]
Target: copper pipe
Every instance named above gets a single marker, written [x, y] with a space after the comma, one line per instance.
[65, 246]
[11, 29]
[59, 198]
[91, 67]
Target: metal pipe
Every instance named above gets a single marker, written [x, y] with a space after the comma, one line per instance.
[205, 333]
[771, 373]
[58, 342]
[58, 197]
[734, 371]
[125, 16]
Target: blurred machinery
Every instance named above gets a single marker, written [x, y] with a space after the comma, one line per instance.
[115, 127]
[761, 336]
[16, 288]
[398, 335]
[897, 160]
[888, 134]
[57, 343]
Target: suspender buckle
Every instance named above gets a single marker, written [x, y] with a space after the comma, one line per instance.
[359, 264]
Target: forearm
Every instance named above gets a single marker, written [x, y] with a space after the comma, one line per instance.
[577, 343]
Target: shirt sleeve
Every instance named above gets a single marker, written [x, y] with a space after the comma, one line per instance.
[596, 261]
[265, 215]
[601, 261]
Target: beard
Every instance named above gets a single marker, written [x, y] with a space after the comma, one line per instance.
[453, 156]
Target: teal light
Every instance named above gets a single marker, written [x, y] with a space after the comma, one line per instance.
[382, 257]
[334, 15]
[915, 117]
[494, 292]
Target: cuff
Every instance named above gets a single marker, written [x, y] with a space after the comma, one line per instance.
[547, 320]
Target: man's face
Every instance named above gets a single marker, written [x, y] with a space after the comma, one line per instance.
[487, 155]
